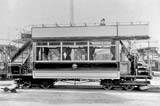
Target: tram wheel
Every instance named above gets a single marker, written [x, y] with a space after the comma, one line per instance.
[26, 84]
[45, 85]
[129, 87]
[109, 87]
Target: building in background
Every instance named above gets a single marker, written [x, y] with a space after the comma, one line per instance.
[152, 54]
[6, 52]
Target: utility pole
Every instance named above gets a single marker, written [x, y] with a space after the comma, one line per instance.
[71, 12]
[117, 28]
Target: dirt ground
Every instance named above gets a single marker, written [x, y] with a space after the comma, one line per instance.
[79, 97]
[82, 95]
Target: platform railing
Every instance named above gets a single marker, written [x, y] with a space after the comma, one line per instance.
[88, 24]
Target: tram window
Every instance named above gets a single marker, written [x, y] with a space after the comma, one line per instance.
[41, 43]
[54, 43]
[54, 54]
[102, 54]
[102, 50]
[74, 53]
[81, 43]
[80, 54]
[66, 52]
[68, 43]
[44, 53]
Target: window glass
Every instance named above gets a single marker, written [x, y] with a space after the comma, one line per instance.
[41, 43]
[102, 50]
[44, 53]
[54, 54]
[102, 53]
[54, 43]
[80, 54]
[74, 53]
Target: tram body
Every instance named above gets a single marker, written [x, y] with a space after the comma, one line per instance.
[81, 53]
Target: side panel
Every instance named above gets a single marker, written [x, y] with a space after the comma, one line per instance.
[133, 30]
[77, 74]
[91, 31]
[124, 68]
[73, 31]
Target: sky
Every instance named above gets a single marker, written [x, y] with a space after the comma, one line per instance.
[17, 15]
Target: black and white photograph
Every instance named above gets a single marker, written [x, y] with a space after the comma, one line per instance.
[79, 52]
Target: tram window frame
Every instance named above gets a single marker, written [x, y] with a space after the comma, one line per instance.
[102, 44]
[104, 56]
[54, 43]
[69, 55]
[84, 46]
[42, 43]
[41, 56]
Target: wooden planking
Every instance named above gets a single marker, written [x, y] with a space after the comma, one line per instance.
[78, 32]
[109, 74]
[131, 30]
[73, 31]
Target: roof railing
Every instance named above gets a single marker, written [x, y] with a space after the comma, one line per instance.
[90, 24]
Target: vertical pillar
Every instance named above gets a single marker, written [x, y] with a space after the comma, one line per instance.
[88, 51]
[61, 51]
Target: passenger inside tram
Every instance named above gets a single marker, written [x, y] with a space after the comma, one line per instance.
[66, 53]
[96, 51]
[54, 54]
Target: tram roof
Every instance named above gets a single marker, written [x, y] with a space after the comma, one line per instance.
[115, 32]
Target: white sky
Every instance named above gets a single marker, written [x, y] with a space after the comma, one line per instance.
[17, 14]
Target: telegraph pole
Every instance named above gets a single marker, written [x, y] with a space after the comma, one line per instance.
[71, 12]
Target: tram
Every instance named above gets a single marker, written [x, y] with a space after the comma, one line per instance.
[82, 52]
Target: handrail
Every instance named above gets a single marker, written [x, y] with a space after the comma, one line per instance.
[88, 24]
[28, 43]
